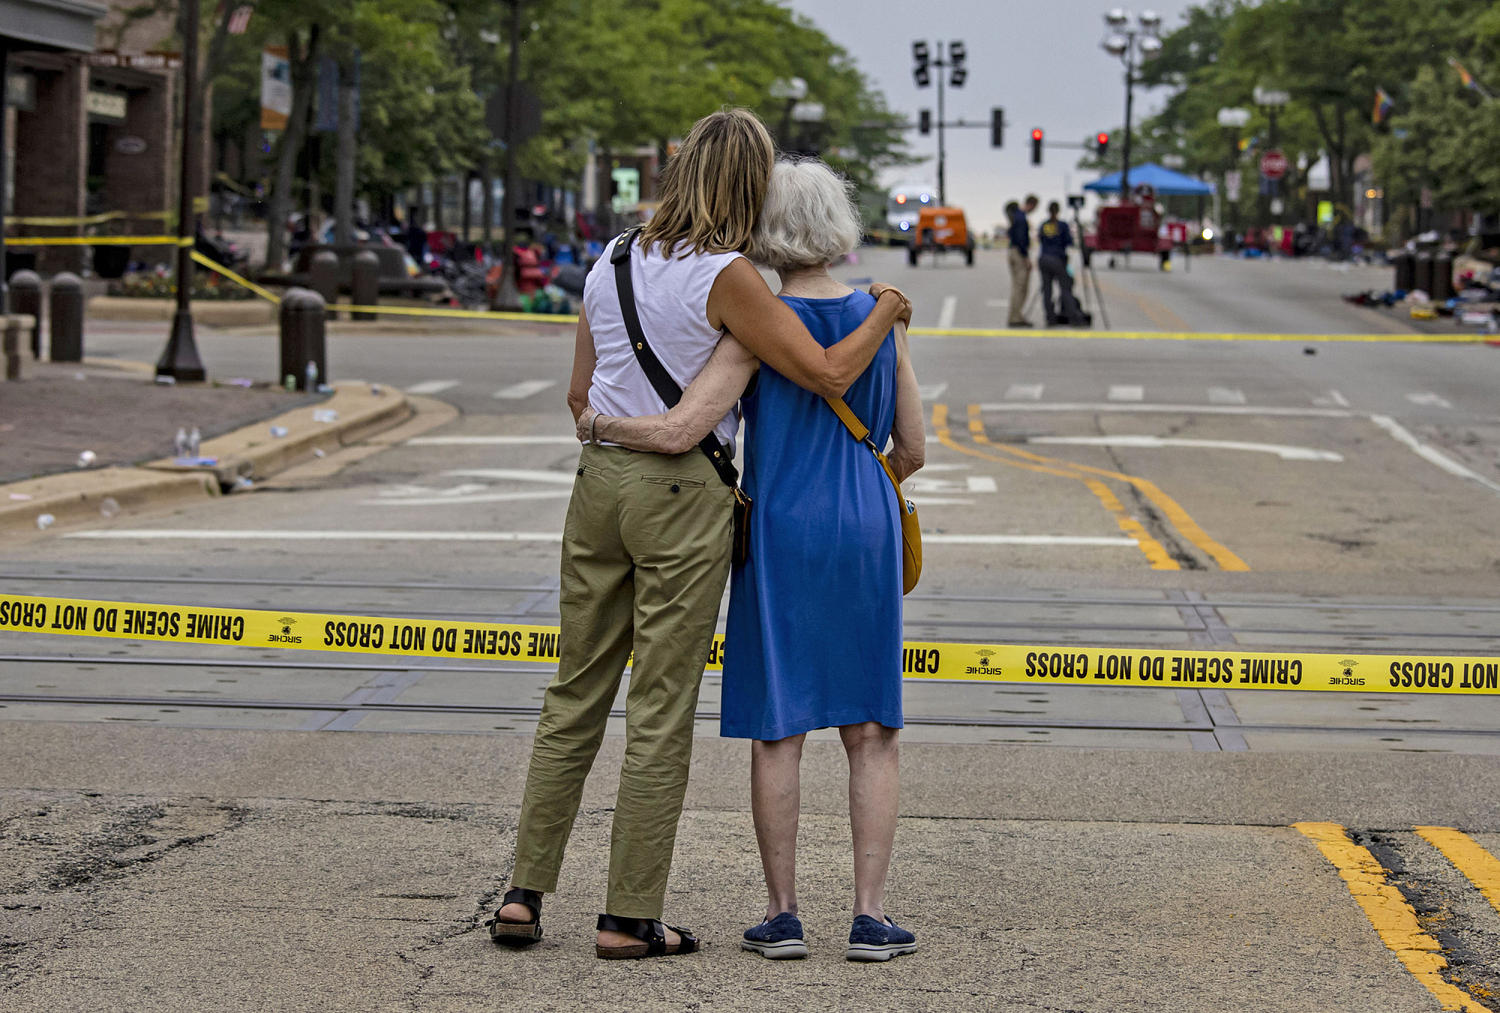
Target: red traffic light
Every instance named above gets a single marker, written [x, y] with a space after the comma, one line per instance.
[1036, 134]
[1103, 138]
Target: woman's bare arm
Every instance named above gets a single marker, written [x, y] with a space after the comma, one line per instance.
[584, 360]
[704, 403]
[908, 435]
[741, 303]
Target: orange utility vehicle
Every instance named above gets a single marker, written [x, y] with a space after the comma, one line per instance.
[940, 229]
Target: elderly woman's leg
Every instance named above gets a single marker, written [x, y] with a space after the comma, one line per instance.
[775, 803]
[874, 784]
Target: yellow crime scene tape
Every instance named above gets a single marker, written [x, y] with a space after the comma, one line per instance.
[943, 662]
[65, 221]
[98, 241]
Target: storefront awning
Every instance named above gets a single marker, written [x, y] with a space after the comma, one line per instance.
[49, 24]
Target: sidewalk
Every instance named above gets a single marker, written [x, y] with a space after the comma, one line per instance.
[149, 868]
[81, 440]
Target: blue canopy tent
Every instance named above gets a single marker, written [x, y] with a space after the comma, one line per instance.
[1165, 182]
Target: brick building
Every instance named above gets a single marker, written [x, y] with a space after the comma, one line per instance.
[91, 133]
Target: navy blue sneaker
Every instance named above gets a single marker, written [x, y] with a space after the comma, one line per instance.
[777, 939]
[872, 940]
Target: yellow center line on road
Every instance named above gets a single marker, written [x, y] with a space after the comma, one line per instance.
[1393, 918]
[1153, 550]
[1154, 310]
[1481, 867]
[1169, 507]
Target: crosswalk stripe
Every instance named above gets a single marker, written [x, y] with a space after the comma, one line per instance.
[521, 391]
[1024, 392]
[1225, 395]
[432, 386]
[947, 312]
[1127, 392]
[931, 391]
[1429, 400]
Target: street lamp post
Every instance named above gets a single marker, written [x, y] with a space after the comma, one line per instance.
[179, 360]
[1132, 43]
[956, 66]
[1271, 100]
[1233, 120]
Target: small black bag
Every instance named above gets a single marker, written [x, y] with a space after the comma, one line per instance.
[670, 393]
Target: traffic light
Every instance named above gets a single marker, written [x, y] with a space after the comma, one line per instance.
[1036, 145]
[997, 128]
[1103, 144]
[924, 121]
[958, 72]
[921, 57]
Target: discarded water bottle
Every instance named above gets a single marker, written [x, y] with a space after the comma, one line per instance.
[180, 443]
[44, 521]
[194, 439]
[109, 507]
[290, 383]
[311, 376]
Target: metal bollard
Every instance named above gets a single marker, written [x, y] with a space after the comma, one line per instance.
[26, 299]
[65, 324]
[365, 289]
[1442, 277]
[1422, 276]
[323, 275]
[1406, 267]
[10, 345]
[303, 337]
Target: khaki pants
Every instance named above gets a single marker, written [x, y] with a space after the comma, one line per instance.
[645, 557]
[1020, 283]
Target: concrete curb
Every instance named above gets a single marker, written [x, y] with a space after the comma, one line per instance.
[208, 312]
[75, 498]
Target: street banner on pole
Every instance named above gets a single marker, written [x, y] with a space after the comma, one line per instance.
[275, 88]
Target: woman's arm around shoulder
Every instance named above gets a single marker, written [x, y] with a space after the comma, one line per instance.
[740, 302]
[908, 434]
[706, 400]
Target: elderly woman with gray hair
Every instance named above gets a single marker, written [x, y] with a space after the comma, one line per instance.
[814, 631]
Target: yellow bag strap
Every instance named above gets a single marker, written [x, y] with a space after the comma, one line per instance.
[861, 432]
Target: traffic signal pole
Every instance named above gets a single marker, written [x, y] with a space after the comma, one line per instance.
[942, 152]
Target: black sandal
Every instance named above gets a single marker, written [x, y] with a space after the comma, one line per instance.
[518, 933]
[652, 935]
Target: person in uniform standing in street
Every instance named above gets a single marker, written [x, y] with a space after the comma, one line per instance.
[1053, 237]
[1020, 259]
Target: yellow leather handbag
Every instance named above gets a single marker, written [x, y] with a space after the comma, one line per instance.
[911, 528]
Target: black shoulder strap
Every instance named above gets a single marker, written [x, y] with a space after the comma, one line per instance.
[666, 388]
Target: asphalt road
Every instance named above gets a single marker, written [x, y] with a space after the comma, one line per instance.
[1306, 495]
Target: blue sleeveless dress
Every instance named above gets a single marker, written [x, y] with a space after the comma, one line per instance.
[814, 631]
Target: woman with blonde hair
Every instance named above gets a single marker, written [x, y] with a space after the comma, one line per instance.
[814, 633]
[646, 543]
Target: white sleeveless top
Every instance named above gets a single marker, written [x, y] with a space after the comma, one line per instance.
[671, 296]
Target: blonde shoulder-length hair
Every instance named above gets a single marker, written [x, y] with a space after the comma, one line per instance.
[713, 188]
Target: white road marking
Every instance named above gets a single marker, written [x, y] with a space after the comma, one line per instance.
[931, 391]
[925, 501]
[982, 483]
[922, 485]
[1127, 392]
[232, 535]
[1173, 409]
[1332, 398]
[932, 466]
[523, 390]
[932, 539]
[1024, 392]
[1429, 400]
[491, 441]
[432, 386]
[1225, 395]
[514, 475]
[450, 498]
[997, 303]
[1431, 454]
[948, 310]
[229, 535]
[1286, 453]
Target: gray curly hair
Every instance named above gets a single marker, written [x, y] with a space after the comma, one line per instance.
[808, 219]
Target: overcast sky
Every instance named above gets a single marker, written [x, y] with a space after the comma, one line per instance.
[1038, 59]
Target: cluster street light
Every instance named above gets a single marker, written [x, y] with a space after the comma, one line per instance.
[954, 62]
[1133, 41]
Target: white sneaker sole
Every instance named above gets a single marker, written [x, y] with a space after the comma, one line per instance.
[786, 949]
[870, 952]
